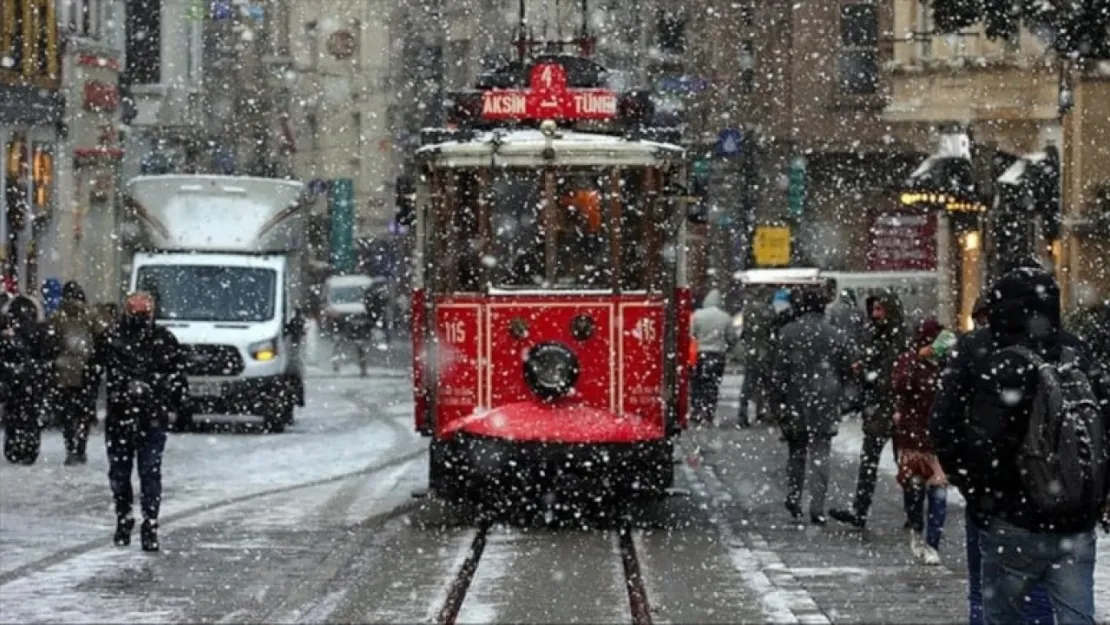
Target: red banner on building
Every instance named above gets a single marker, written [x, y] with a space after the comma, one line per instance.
[549, 98]
[903, 241]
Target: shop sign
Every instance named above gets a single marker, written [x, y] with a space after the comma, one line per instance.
[903, 241]
[549, 98]
[101, 96]
[771, 246]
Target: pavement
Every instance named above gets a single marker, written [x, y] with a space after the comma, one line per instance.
[326, 523]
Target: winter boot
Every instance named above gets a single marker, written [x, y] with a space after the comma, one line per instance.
[917, 545]
[930, 557]
[123, 532]
[794, 508]
[848, 516]
[72, 459]
[150, 535]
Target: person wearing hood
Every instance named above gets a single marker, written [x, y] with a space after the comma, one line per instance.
[75, 377]
[710, 327]
[925, 498]
[979, 421]
[27, 348]
[812, 362]
[144, 370]
[887, 341]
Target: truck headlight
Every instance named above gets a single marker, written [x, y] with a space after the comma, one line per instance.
[264, 351]
[551, 370]
[738, 323]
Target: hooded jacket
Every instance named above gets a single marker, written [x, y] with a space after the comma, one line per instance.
[914, 382]
[76, 331]
[139, 351]
[811, 365]
[710, 325]
[887, 340]
[982, 407]
[27, 348]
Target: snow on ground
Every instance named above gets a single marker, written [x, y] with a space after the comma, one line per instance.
[849, 442]
[348, 425]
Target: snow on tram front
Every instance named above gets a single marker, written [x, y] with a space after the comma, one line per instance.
[550, 288]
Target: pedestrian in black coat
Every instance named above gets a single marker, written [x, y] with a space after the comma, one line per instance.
[27, 350]
[144, 368]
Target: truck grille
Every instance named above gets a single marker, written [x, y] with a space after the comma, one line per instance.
[213, 360]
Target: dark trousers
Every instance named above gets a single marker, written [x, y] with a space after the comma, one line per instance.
[868, 473]
[1037, 610]
[926, 509]
[127, 442]
[707, 385]
[76, 409]
[816, 449]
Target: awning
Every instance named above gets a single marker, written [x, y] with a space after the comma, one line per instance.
[1015, 174]
[946, 175]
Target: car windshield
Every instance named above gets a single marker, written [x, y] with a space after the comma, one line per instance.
[346, 294]
[210, 293]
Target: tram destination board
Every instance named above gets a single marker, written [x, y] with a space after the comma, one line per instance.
[549, 98]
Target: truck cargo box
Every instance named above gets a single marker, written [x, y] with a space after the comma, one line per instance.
[219, 213]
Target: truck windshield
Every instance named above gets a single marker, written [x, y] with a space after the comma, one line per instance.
[210, 293]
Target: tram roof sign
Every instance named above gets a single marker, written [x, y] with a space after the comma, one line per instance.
[549, 98]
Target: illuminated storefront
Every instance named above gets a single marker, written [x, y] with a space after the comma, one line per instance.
[31, 112]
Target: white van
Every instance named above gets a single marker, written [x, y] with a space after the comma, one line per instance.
[222, 256]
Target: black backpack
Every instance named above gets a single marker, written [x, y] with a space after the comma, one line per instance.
[1063, 459]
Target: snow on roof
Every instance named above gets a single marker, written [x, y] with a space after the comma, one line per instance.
[779, 276]
[524, 148]
[342, 281]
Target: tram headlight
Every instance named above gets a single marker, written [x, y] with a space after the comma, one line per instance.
[551, 370]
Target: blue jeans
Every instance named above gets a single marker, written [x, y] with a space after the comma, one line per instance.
[1015, 560]
[913, 500]
[1037, 610]
[126, 442]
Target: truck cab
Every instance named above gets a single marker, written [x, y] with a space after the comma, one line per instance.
[221, 255]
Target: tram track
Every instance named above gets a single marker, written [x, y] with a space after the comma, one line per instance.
[632, 581]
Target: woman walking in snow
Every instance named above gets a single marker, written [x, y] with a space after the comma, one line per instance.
[924, 485]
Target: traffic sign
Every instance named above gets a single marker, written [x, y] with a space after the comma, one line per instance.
[730, 142]
[771, 246]
[701, 167]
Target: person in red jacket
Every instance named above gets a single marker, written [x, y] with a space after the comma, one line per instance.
[914, 383]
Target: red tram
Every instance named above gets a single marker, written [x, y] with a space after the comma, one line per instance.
[550, 304]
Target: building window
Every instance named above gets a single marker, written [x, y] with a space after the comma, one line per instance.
[859, 49]
[144, 42]
[924, 31]
[672, 33]
[85, 18]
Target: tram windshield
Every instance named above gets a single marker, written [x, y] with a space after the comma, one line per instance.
[561, 229]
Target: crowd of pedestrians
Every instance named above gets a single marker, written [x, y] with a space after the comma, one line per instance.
[1014, 414]
[55, 354]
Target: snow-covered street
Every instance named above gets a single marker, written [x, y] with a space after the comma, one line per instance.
[320, 524]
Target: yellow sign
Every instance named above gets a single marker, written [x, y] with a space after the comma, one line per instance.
[771, 246]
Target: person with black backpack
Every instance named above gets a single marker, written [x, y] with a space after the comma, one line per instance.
[77, 382]
[1021, 426]
[144, 368]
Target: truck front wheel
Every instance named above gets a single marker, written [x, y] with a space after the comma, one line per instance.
[278, 416]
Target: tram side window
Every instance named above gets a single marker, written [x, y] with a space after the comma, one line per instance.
[466, 225]
[516, 215]
[583, 257]
[634, 228]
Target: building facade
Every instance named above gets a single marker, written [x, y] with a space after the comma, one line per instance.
[791, 131]
[83, 240]
[1008, 171]
[342, 103]
[31, 111]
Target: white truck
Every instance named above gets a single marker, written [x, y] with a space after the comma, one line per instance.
[222, 257]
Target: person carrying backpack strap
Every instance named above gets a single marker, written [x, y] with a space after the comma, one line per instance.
[1020, 425]
[75, 379]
